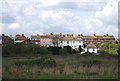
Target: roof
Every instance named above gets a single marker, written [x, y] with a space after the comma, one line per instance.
[91, 45]
[70, 39]
[42, 36]
[35, 41]
[21, 38]
[98, 37]
[65, 37]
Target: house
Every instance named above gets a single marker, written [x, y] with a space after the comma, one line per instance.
[35, 39]
[46, 40]
[97, 39]
[5, 40]
[70, 41]
[91, 48]
[21, 39]
[42, 40]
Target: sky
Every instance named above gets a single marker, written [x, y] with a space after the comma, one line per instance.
[85, 17]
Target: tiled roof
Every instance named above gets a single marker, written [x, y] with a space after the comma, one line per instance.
[70, 39]
[42, 36]
[21, 38]
[91, 45]
[64, 36]
[98, 37]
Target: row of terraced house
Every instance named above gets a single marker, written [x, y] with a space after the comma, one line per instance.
[61, 40]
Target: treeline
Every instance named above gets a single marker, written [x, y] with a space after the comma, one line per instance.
[26, 50]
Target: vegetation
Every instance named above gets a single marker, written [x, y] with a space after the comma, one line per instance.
[108, 48]
[68, 67]
[43, 62]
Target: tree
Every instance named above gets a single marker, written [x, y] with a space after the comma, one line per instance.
[118, 50]
[68, 49]
[80, 49]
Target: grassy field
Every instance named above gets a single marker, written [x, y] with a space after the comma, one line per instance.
[68, 67]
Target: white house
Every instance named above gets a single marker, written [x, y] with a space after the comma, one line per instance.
[91, 48]
[70, 41]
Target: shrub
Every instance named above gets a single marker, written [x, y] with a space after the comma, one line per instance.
[63, 51]
[68, 49]
[118, 50]
[54, 50]
[43, 62]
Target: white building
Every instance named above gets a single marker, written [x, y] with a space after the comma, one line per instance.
[91, 48]
[70, 41]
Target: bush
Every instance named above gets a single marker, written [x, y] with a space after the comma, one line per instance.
[118, 50]
[68, 49]
[63, 51]
[54, 50]
[43, 62]
[20, 50]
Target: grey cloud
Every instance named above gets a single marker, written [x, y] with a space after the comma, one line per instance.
[7, 19]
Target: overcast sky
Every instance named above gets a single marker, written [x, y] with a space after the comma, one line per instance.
[88, 17]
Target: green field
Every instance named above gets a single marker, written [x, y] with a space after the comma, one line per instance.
[68, 67]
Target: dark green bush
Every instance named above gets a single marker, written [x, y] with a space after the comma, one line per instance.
[20, 50]
[68, 49]
[54, 50]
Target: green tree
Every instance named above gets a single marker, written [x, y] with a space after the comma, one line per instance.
[118, 50]
[80, 49]
[68, 49]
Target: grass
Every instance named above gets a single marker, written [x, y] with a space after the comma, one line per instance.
[68, 67]
[61, 76]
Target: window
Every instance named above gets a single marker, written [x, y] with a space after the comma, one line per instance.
[105, 39]
[93, 49]
[67, 42]
[79, 41]
[78, 38]
[98, 39]
[61, 41]
[73, 41]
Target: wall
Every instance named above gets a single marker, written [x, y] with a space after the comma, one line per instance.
[46, 41]
[74, 44]
[91, 50]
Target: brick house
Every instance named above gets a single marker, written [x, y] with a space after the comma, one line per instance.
[22, 39]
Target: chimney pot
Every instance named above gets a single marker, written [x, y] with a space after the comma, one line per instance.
[51, 34]
[22, 34]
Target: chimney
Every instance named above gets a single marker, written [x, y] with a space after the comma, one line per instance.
[3, 34]
[94, 35]
[63, 35]
[51, 34]
[60, 34]
[37, 34]
[23, 35]
[72, 35]
[107, 35]
[67, 35]
[81, 34]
